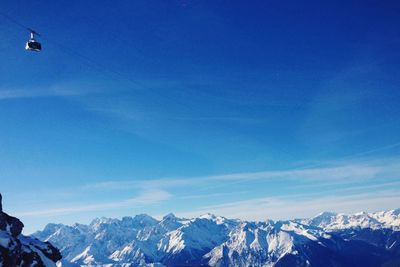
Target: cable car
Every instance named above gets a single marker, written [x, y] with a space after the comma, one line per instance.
[32, 44]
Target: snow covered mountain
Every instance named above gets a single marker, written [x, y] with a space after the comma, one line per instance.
[329, 239]
[19, 250]
[331, 221]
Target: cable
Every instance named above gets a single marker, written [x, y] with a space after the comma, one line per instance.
[69, 51]
[92, 63]
[99, 67]
[15, 22]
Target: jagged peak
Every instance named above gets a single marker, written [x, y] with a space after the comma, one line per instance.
[361, 213]
[102, 219]
[396, 211]
[143, 216]
[209, 216]
[326, 214]
[52, 226]
[170, 216]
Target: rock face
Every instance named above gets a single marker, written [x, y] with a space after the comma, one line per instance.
[19, 250]
[329, 240]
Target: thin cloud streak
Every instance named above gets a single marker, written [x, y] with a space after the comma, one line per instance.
[146, 198]
[212, 195]
[157, 190]
[349, 189]
[32, 93]
[338, 174]
[55, 90]
[283, 208]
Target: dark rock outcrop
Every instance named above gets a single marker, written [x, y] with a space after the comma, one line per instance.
[19, 250]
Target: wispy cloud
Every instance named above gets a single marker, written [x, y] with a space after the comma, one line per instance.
[347, 173]
[212, 195]
[222, 119]
[32, 93]
[141, 184]
[348, 179]
[143, 199]
[285, 208]
[56, 90]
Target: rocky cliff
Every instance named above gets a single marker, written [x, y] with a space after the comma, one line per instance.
[19, 250]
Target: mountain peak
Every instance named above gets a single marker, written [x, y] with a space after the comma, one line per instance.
[144, 219]
[396, 212]
[170, 216]
[326, 214]
[100, 221]
[143, 216]
[208, 216]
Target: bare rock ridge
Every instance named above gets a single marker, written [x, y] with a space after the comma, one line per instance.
[19, 250]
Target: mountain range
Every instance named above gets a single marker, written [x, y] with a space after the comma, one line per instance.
[328, 239]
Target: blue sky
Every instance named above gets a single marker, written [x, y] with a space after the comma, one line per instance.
[269, 109]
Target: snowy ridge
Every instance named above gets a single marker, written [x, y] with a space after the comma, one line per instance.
[208, 240]
[377, 220]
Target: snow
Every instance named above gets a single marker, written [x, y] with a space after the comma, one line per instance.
[4, 242]
[392, 245]
[84, 257]
[47, 262]
[5, 239]
[26, 245]
[331, 221]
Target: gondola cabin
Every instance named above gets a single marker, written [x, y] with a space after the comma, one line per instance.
[32, 44]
